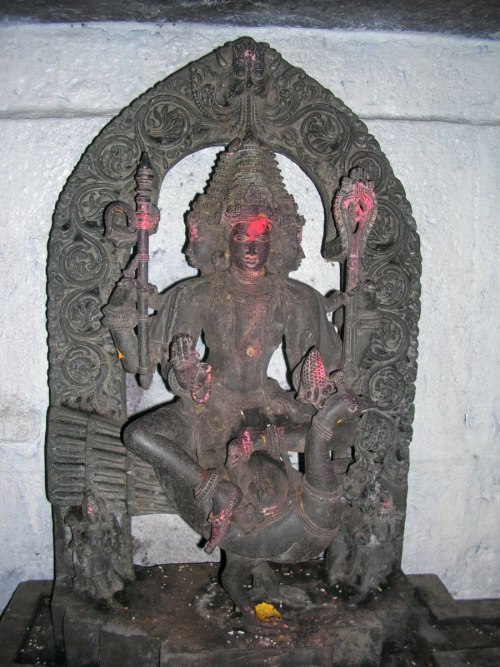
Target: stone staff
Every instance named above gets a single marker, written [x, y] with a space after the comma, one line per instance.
[140, 224]
[354, 212]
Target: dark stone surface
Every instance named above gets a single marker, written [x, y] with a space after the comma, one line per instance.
[435, 596]
[125, 646]
[81, 632]
[392, 610]
[481, 18]
[489, 657]
[480, 610]
[177, 615]
[25, 629]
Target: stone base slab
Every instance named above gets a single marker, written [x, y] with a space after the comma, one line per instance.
[178, 615]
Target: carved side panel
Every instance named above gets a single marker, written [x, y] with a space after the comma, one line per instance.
[84, 451]
[210, 102]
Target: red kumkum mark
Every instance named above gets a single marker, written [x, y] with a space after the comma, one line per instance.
[362, 202]
[250, 55]
[314, 369]
[257, 226]
[193, 232]
[319, 372]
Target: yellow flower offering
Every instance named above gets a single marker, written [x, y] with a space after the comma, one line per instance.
[266, 612]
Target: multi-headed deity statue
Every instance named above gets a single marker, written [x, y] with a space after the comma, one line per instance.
[220, 449]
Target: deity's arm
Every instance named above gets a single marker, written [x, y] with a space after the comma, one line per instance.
[335, 300]
[121, 318]
[308, 327]
[178, 315]
[176, 330]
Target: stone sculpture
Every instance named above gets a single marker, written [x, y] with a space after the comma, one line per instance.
[220, 450]
[243, 469]
[100, 568]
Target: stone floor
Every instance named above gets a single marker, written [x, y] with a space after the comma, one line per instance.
[441, 631]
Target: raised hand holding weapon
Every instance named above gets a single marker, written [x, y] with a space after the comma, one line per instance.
[141, 222]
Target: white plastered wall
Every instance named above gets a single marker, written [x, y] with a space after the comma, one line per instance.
[432, 103]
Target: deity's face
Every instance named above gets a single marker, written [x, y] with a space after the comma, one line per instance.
[294, 254]
[250, 243]
[199, 248]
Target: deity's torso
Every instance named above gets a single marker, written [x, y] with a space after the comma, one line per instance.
[242, 325]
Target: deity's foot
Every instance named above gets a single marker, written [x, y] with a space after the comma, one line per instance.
[227, 497]
[267, 586]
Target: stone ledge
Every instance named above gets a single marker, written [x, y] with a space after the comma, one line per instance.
[435, 596]
[160, 626]
[452, 16]
[19, 616]
[486, 657]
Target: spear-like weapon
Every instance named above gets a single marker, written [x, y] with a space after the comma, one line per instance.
[140, 224]
[354, 211]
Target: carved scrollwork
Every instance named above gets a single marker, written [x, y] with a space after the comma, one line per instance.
[82, 365]
[375, 164]
[283, 100]
[390, 341]
[321, 133]
[81, 313]
[386, 387]
[389, 231]
[214, 99]
[83, 261]
[377, 436]
[166, 122]
[392, 285]
[118, 158]
[87, 202]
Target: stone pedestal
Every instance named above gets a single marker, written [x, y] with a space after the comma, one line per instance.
[178, 615]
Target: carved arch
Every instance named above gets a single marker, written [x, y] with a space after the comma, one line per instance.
[208, 103]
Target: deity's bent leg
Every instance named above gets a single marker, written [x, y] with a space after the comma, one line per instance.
[151, 438]
[155, 439]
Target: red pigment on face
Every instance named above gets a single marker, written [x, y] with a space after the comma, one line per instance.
[193, 232]
[257, 226]
[90, 508]
[250, 55]
[246, 443]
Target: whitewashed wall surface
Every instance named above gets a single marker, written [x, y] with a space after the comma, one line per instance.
[432, 102]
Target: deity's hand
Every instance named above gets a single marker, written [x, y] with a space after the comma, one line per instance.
[121, 311]
[315, 385]
[190, 373]
[239, 450]
[337, 299]
[200, 388]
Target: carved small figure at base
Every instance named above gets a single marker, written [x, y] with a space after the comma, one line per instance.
[100, 569]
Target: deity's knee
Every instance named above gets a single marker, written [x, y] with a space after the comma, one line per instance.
[135, 438]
